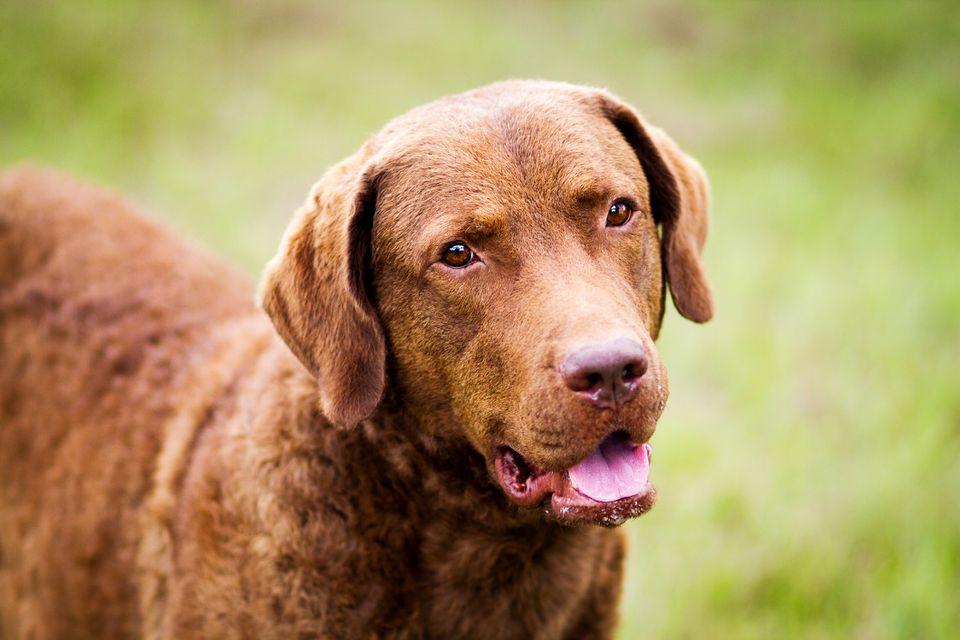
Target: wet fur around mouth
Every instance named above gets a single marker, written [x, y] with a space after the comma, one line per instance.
[178, 463]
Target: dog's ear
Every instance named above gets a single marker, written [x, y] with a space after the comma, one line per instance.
[316, 291]
[680, 198]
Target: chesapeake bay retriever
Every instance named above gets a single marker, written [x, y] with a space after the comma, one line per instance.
[459, 380]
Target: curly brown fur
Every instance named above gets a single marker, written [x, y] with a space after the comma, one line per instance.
[174, 465]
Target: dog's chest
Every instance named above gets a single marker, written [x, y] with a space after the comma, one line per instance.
[478, 583]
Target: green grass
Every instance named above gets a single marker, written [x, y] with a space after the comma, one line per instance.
[809, 459]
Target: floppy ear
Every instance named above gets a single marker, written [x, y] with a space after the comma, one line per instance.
[315, 291]
[680, 198]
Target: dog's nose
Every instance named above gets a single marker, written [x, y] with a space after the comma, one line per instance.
[606, 374]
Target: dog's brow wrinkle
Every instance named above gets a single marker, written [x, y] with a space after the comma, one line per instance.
[584, 186]
[588, 197]
[485, 225]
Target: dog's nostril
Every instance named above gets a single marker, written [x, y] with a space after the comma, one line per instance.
[634, 371]
[594, 380]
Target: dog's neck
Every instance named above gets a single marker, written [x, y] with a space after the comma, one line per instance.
[469, 537]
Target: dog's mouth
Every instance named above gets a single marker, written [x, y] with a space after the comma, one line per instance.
[607, 487]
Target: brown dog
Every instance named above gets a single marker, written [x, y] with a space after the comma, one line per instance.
[472, 300]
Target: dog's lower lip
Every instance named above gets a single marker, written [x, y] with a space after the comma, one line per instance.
[608, 514]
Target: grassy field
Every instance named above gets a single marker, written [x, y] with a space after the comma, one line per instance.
[809, 459]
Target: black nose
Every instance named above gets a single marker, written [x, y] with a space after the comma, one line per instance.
[606, 374]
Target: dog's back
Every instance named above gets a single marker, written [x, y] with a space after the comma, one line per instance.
[102, 314]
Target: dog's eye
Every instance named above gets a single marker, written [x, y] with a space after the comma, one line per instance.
[619, 214]
[457, 255]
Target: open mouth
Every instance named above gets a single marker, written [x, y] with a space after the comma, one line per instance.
[607, 487]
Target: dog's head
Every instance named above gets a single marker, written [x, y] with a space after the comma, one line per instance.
[498, 259]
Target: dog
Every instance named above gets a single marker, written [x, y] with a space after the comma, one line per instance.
[455, 381]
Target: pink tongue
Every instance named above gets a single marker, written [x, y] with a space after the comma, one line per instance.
[617, 469]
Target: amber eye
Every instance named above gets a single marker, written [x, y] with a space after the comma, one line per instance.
[457, 255]
[619, 214]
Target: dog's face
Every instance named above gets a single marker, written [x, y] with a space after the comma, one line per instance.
[500, 254]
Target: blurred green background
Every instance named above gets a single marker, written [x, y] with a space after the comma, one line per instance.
[809, 460]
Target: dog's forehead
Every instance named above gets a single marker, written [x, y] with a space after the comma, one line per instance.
[516, 157]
